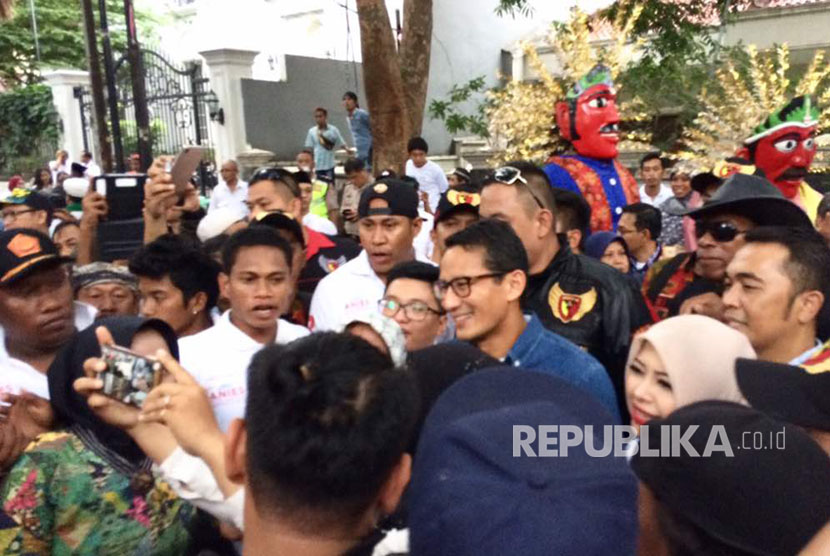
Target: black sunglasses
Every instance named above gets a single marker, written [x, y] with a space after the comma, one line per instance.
[720, 231]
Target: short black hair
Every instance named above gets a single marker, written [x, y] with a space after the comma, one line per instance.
[279, 176]
[353, 165]
[572, 210]
[654, 155]
[190, 269]
[409, 180]
[809, 260]
[350, 95]
[417, 144]
[646, 217]
[302, 177]
[253, 236]
[538, 184]
[328, 418]
[213, 246]
[824, 205]
[413, 270]
[503, 250]
[321, 109]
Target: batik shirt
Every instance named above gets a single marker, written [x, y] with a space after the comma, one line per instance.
[63, 498]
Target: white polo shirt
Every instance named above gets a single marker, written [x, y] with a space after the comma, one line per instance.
[218, 359]
[347, 293]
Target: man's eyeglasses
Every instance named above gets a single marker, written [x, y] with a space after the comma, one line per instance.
[720, 231]
[510, 175]
[462, 285]
[414, 310]
[11, 216]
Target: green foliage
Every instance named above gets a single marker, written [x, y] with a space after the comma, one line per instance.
[450, 110]
[129, 134]
[60, 36]
[678, 58]
[512, 7]
[28, 129]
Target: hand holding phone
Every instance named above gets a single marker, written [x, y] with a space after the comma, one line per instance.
[182, 168]
[129, 376]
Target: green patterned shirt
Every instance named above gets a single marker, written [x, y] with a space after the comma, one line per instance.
[63, 498]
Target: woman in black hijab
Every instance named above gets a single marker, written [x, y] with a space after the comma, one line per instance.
[88, 488]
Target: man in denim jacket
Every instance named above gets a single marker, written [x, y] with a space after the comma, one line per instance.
[482, 277]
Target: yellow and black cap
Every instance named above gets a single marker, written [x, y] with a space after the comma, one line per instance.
[24, 251]
[457, 200]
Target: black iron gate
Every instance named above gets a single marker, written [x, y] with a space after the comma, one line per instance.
[178, 103]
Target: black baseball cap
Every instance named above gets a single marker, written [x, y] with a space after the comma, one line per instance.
[24, 251]
[401, 198]
[280, 220]
[457, 200]
[798, 394]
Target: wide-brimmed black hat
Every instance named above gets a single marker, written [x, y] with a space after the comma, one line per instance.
[755, 198]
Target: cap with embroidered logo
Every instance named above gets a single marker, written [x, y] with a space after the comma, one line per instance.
[24, 251]
[401, 199]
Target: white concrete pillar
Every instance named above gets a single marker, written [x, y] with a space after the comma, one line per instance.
[227, 67]
[518, 56]
[62, 82]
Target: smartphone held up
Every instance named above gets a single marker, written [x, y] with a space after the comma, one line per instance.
[129, 377]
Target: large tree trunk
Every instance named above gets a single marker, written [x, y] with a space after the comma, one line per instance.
[384, 86]
[5, 9]
[414, 59]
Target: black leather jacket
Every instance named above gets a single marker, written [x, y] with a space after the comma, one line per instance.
[590, 304]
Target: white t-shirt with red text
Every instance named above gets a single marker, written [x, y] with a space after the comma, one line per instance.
[218, 359]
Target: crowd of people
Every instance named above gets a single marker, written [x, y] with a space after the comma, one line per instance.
[338, 363]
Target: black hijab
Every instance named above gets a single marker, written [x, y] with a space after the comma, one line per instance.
[70, 407]
[437, 367]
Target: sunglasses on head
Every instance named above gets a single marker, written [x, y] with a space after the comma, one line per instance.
[720, 231]
[510, 175]
[276, 174]
[270, 173]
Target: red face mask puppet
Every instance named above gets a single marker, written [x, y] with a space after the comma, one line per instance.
[590, 119]
[785, 157]
[784, 145]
